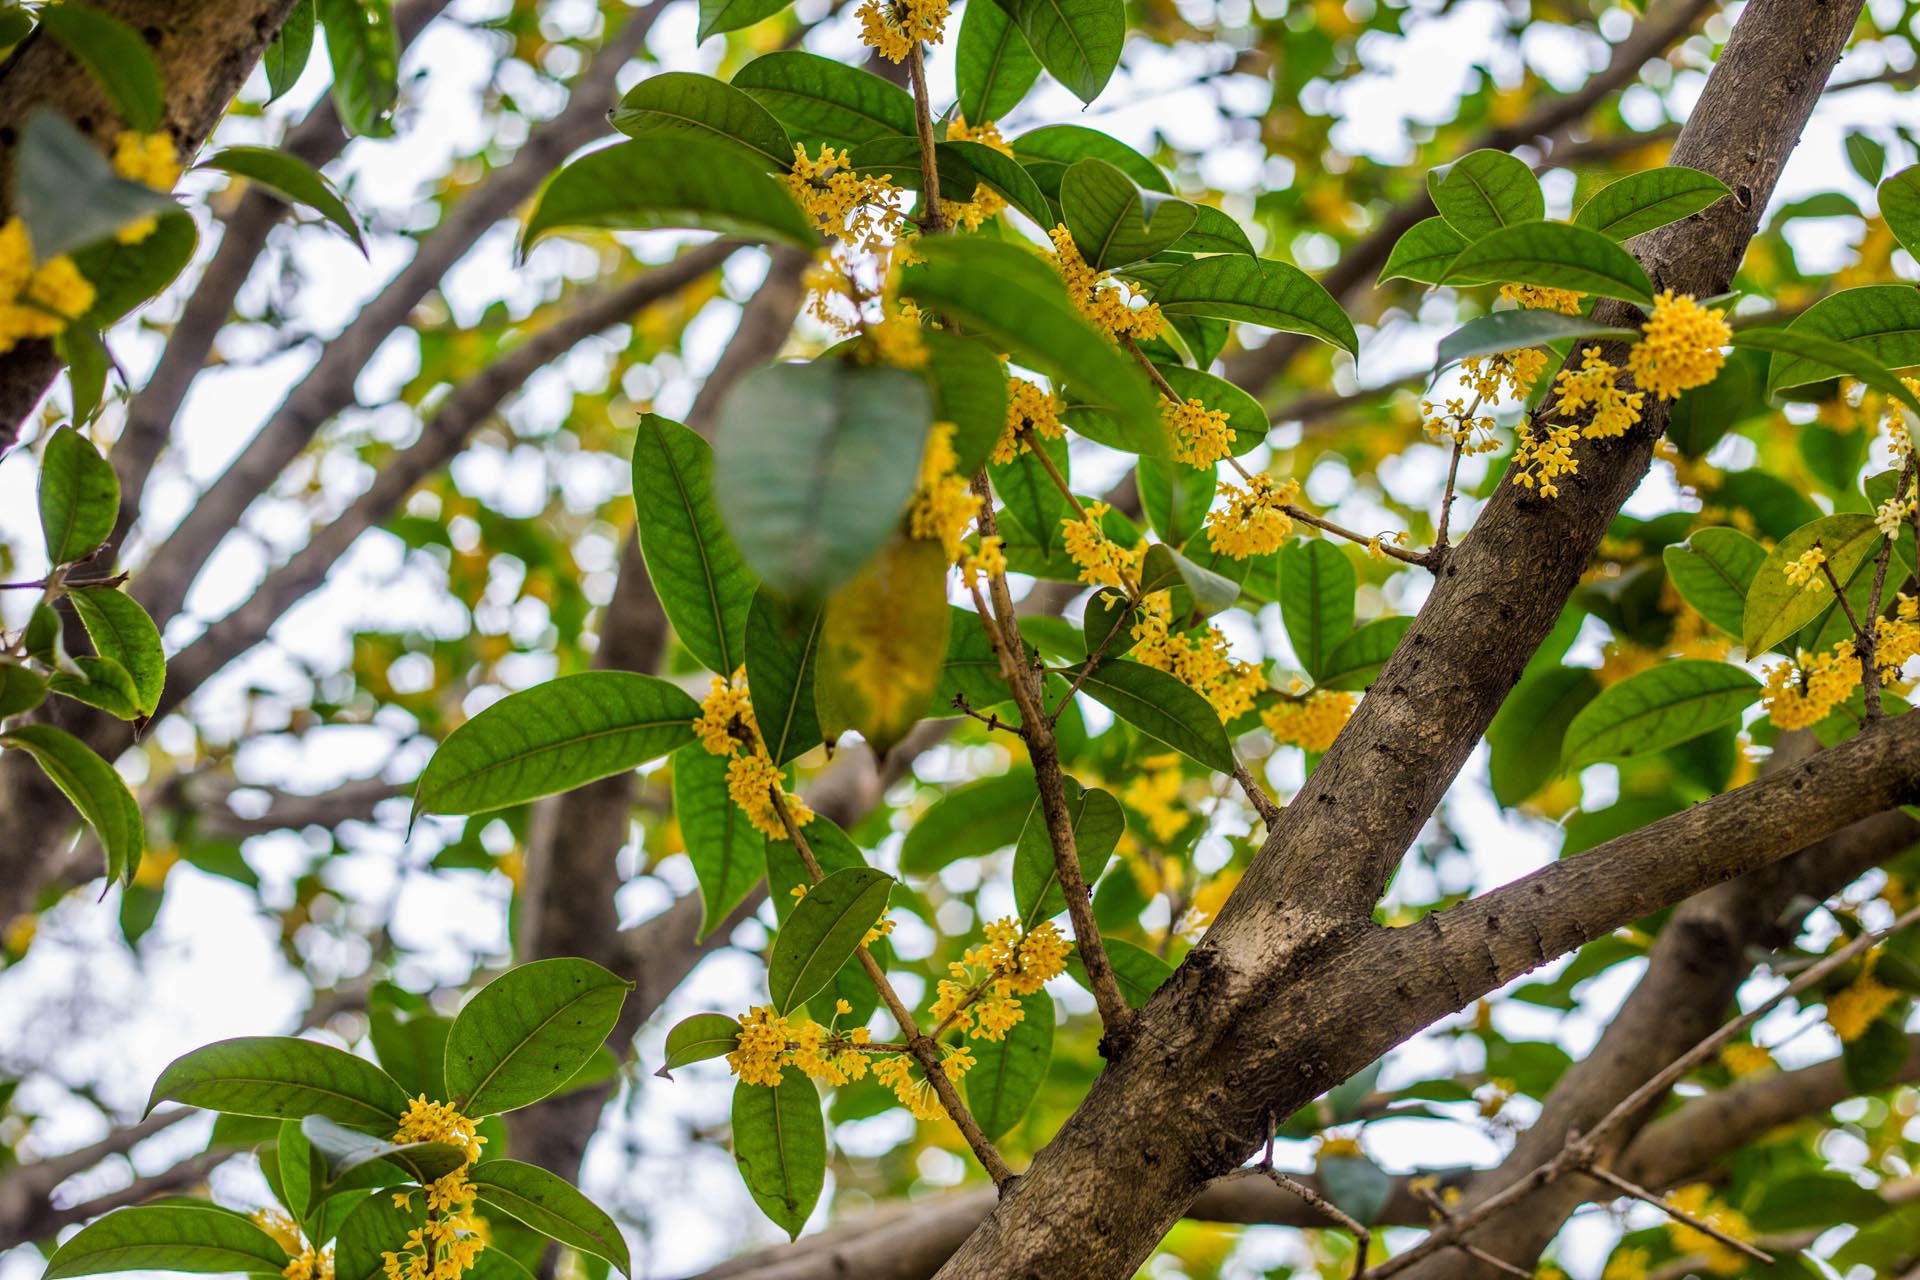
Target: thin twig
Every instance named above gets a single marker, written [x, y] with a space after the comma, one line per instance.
[990, 720]
[1362, 1238]
[1424, 559]
[1262, 802]
[1673, 1210]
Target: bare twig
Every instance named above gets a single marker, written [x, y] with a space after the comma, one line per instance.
[1673, 1210]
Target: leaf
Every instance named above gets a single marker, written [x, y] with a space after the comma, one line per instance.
[1161, 707]
[95, 789]
[288, 175]
[717, 16]
[1423, 252]
[1175, 497]
[695, 1039]
[1554, 255]
[554, 737]
[79, 497]
[1356, 661]
[783, 644]
[1214, 231]
[1257, 291]
[1487, 190]
[343, 1150]
[1878, 323]
[1776, 608]
[1010, 295]
[969, 390]
[21, 688]
[1816, 1200]
[1060, 145]
[1078, 41]
[1317, 585]
[1712, 570]
[1658, 708]
[1007, 1073]
[1003, 174]
[1900, 205]
[822, 932]
[409, 1038]
[116, 58]
[703, 582]
[820, 459]
[1195, 590]
[67, 193]
[823, 102]
[550, 1205]
[1098, 823]
[168, 1237]
[780, 1144]
[1643, 201]
[82, 350]
[1356, 1184]
[993, 62]
[528, 1030]
[1114, 222]
[125, 275]
[1872, 1060]
[968, 822]
[364, 49]
[286, 57]
[121, 630]
[1510, 330]
[1030, 495]
[681, 104]
[1524, 741]
[284, 1079]
[1139, 972]
[99, 682]
[728, 854]
[657, 183]
[1868, 158]
[375, 1226]
[883, 641]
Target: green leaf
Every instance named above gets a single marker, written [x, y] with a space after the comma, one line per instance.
[284, 1079]
[1816, 1200]
[1643, 201]
[121, 630]
[1060, 145]
[21, 688]
[1317, 585]
[1878, 323]
[1868, 158]
[1007, 1073]
[79, 497]
[1214, 231]
[780, 1144]
[67, 193]
[1658, 708]
[1009, 294]
[1776, 608]
[823, 102]
[1423, 253]
[125, 275]
[1356, 1184]
[115, 56]
[1195, 590]
[820, 459]
[1113, 221]
[681, 104]
[550, 1205]
[897, 159]
[729, 856]
[994, 64]
[1258, 291]
[968, 822]
[783, 643]
[343, 1150]
[717, 16]
[1139, 972]
[1078, 41]
[970, 391]
[703, 582]
[822, 931]
[1524, 740]
[99, 682]
[1003, 174]
[883, 640]
[1554, 255]
[528, 1030]
[1098, 823]
[376, 1226]
[365, 51]
[1175, 497]
[95, 788]
[1900, 206]
[1511, 330]
[286, 57]
[1872, 1060]
[409, 1038]
[1485, 191]
[288, 175]
[81, 348]
[554, 737]
[1355, 661]
[695, 1039]
[654, 183]
[1161, 707]
[168, 1237]
[1712, 570]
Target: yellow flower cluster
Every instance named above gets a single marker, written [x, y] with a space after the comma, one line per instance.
[1540, 298]
[916, 1092]
[894, 26]
[307, 1262]
[850, 286]
[1031, 411]
[985, 201]
[1801, 695]
[1595, 385]
[1200, 436]
[1852, 1009]
[1628, 1264]
[1254, 521]
[1199, 658]
[1103, 562]
[1311, 722]
[1492, 377]
[1681, 347]
[726, 727]
[1897, 639]
[1805, 572]
[1697, 1202]
[1541, 457]
[1099, 298]
[943, 504]
[36, 302]
[769, 1043]
[1155, 796]
[990, 558]
[452, 1238]
[982, 993]
[149, 158]
[1458, 423]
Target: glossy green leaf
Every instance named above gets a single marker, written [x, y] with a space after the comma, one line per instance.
[528, 1030]
[1078, 41]
[79, 497]
[1098, 823]
[1867, 157]
[1274, 295]
[969, 821]
[780, 1144]
[125, 275]
[1658, 708]
[822, 931]
[1138, 971]
[1317, 585]
[21, 688]
[93, 786]
[288, 175]
[1003, 174]
[1642, 201]
[342, 1150]
[1776, 608]
[993, 62]
[67, 193]
[1355, 661]
[681, 104]
[695, 1039]
[1486, 190]
[375, 1226]
[286, 57]
[1423, 253]
[1113, 221]
[550, 1205]
[1712, 571]
[365, 51]
[82, 349]
[1554, 255]
[704, 584]
[783, 645]
[554, 737]
[99, 682]
[1524, 741]
[285, 1079]
[717, 16]
[1175, 497]
[820, 459]
[1214, 231]
[1007, 1073]
[178, 1236]
[1031, 496]
[1161, 707]
[824, 102]
[409, 1038]
[1509, 330]
[121, 630]
[969, 390]
[1055, 147]
[729, 856]
[1900, 206]
[1195, 589]
[1878, 323]
[653, 183]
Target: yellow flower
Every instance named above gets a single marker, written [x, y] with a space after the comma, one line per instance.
[1199, 658]
[1098, 298]
[1743, 1059]
[944, 504]
[1540, 459]
[990, 559]
[1628, 1264]
[1254, 522]
[1851, 1010]
[36, 302]
[1492, 376]
[1542, 298]
[147, 158]
[452, 1238]
[1457, 423]
[1805, 572]
[726, 727]
[1031, 411]
[985, 201]
[1200, 436]
[895, 26]
[1595, 385]
[1823, 683]
[1681, 347]
[752, 781]
[1102, 561]
[1697, 1202]
[726, 720]
[1312, 722]
[1155, 795]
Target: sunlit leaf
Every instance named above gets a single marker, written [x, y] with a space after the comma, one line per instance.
[1658, 708]
[667, 182]
[526, 1032]
[283, 1078]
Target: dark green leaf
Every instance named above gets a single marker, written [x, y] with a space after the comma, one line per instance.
[823, 102]
[822, 932]
[80, 347]
[79, 497]
[969, 821]
[409, 1038]
[780, 1144]
[669, 182]
[1077, 40]
[284, 1079]
[728, 854]
[550, 1205]
[168, 1237]
[1317, 585]
[1097, 822]
[681, 104]
[1003, 174]
[288, 175]
[1508, 330]
[21, 688]
[1642, 201]
[1873, 1059]
[528, 1030]
[99, 682]
[125, 275]
[1175, 497]
[1712, 571]
[1008, 1073]
[1868, 158]
[1356, 661]
[1356, 1184]
[704, 584]
[1195, 590]
[1878, 323]
[121, 630]
[695, 1039]
[365, 51]
[95, 788]
[1257, 291]
[286, 56]
[1063, 144]
[1900, 206]
[1554, 255]
[782, 644]
[970, 391]
[1486, 190]
[717, 16]
[1524, 740]
[115, 56]
[376, 1226]
[993, 62]
[1139, 972]
[1214, 231]
[1113, 221]
[1161, 707]
[343, 1150]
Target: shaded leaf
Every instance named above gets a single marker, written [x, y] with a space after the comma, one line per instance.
[67, 193]
[550, 1205]
[681, 104]
[1642, 201]
[1161, 707]
[728, 854]
[822, 931]
[1487, 190]
[1008, 1073]
[993, 62]
[1554, 255]
[530, 1029]
[1712, 571]
[364, 49]
[1258, 291]
[285, 1079]
[1356, 660]
[969, 821]
[780, 1144]
[821, 101]
[95, 788]
[115, 56]
[668, 182]
[704, 584]
[1317, 585]
[168, 1237]
[1658, 708]
[1097, 822]
[1776, 608]
[288, 175]
[1077, 40]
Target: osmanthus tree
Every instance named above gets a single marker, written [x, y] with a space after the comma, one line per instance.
[1186, 728]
